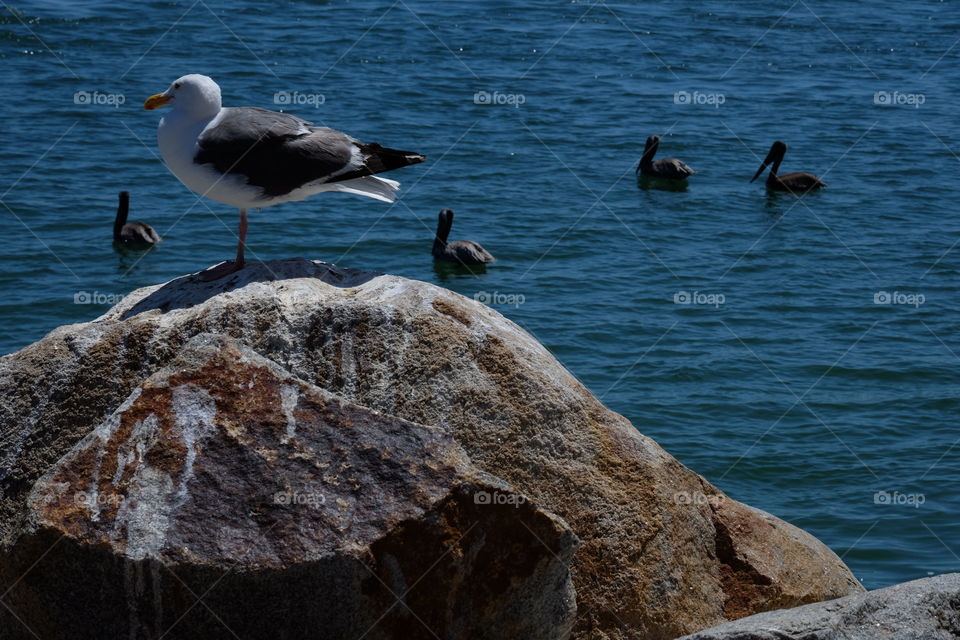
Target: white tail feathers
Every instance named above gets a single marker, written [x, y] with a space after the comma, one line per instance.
[370, 186]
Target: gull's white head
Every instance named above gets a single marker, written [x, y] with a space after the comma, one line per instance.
[194, 94]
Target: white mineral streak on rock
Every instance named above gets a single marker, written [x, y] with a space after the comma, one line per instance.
[348, 365]
[152, 494]
[195, 413]
[143, 518]
[133, 587]
[288, 402]
[130, 453]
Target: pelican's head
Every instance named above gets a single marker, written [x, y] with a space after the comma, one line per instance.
[777, 149]
[775, 155]
[444, 223]
[194, 94]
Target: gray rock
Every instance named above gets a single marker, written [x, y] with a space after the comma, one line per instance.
[663, 552]
[927, 609]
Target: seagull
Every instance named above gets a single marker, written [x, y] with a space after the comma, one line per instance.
[460, 251]
[137, 234]
[667, 168]
[794, 182]
[251, 158]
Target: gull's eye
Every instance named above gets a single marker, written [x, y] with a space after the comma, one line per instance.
[176, 85]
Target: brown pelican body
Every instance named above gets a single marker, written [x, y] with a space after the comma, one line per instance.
[132, 234]
[459, 251]
[798, 182]
[669, 168]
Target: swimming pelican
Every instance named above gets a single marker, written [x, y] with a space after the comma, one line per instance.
[460, 251]
[251, 158]
[667, 168]
[793, 182]
[132, 234]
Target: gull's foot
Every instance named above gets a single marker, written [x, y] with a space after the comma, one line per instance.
[221, 270]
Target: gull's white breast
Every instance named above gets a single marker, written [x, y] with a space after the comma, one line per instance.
[177, 138]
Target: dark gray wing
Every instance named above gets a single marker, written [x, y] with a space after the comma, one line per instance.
[672, 168]
[800, 181]
[279, 152]
[139, 233]
[467, 252]
[275, 151]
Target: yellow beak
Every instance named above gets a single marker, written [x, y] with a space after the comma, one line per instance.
[155, 101]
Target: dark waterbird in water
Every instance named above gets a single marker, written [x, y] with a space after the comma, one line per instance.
[136, 235]
[670, 168]
[459, 251]
[798, 182]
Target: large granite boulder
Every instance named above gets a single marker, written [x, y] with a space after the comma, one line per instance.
[662, 551]
[927, 609]
[226, 498]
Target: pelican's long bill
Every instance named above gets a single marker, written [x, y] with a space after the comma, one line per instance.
[763, 166]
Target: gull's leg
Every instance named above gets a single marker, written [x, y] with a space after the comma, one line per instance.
[227, 268]
[243, 238]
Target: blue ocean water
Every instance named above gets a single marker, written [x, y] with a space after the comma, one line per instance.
[813, 373]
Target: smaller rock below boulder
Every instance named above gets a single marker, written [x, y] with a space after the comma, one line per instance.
[927, 609]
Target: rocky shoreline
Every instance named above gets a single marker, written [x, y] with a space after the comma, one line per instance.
[927, 609]
[301, 450]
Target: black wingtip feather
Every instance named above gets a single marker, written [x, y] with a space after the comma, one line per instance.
[378, 158]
